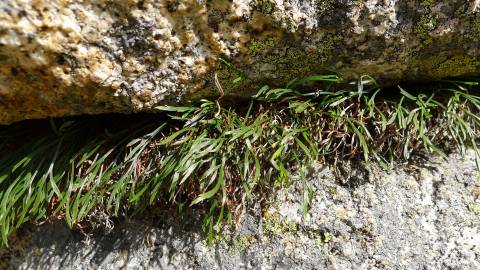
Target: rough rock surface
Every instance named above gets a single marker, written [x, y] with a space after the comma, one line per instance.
[413, 217]
[61, 57]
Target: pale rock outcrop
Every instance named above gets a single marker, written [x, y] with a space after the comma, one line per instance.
[61, 57]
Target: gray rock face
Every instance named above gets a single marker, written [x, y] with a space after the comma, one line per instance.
[61, 58]
[412, 217]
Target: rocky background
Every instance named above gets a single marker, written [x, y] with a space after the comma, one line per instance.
[60, 57]
[424, 215]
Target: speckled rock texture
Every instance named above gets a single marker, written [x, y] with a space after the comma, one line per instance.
[423, 216]
[62, 57]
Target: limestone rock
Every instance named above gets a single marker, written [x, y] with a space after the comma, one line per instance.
[62, 57]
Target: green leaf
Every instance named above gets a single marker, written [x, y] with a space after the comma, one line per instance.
[166, 108]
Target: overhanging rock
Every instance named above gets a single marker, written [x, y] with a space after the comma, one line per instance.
[61, 58]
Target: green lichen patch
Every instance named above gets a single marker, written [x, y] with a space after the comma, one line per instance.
[324, 238]
[324, 6]
[443, 66]
[428, 3]
[230, 78]
[260, 46]
[298, 62]
[287, 65]
[273, 224]
[474, 208]
[427, 22]
[242, 242]
[266, 7]
[461, 10]
[474, 34]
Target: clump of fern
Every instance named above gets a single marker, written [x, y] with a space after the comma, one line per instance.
[220, 157]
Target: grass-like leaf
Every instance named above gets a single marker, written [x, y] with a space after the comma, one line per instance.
[220, 158]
